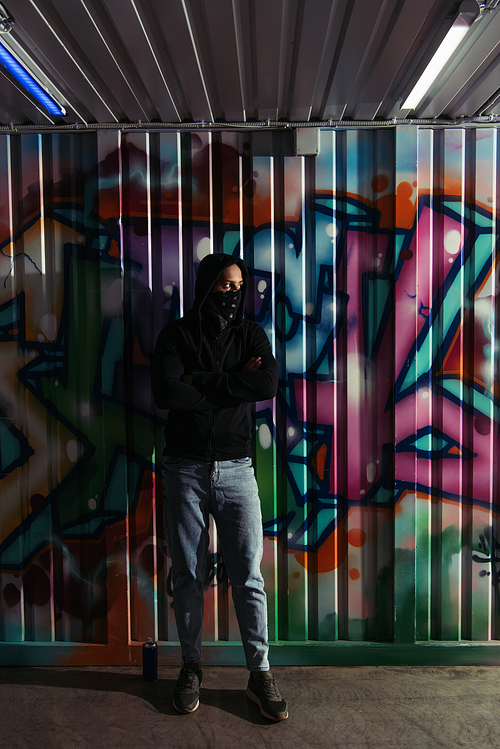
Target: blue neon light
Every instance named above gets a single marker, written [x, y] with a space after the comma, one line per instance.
[29, 83]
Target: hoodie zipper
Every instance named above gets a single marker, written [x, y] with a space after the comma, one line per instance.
[212, 413]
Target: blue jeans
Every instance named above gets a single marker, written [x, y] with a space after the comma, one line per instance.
[227, 489]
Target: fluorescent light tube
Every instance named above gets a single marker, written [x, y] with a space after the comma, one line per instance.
[29, 83]
[437, 63]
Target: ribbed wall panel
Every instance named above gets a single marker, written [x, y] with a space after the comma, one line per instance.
[374, 271]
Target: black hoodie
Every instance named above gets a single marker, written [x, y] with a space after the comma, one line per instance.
[212, 418]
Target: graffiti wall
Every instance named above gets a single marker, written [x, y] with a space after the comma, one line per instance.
[374, 271]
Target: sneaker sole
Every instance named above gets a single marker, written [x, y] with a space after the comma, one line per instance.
[254, 698]
[186, 710]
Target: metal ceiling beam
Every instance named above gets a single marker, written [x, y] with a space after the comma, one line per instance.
[487, 121]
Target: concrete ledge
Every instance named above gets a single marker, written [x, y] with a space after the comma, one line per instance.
[309, 653]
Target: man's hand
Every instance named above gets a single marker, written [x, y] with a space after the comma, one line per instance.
[252, 364]
[187, 378]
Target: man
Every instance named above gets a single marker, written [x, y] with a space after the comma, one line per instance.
[209, 367]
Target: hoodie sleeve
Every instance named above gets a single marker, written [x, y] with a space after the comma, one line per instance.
[168, 390]
[258, 385]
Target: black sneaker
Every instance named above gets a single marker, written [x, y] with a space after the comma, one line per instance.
[187, 690]
[262, 689]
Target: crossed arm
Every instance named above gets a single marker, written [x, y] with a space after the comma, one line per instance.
[251, 366]
[201, 391]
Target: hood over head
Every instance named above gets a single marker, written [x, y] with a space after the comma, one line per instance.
[209, 271]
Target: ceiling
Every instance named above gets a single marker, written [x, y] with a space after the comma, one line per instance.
[236, 61]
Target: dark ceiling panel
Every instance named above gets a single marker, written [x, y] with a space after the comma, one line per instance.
[246, 41]
[382, 81]
[266, 53]
[220, 27]
[308, 47]
[112, 59]
[138, 27]
[178, 42]
[129, 61]
[93, 53]
[358, 44]
[335, 32]
[390, 47]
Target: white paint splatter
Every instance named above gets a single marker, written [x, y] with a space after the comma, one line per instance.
[265, 437]
[262, 286]
[203, 247]
[72, 450]
[332, 230]
[48, 326]
[452, 241]
[371, 472]
[355, 378]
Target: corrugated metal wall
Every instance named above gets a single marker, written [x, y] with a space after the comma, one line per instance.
[374, 272]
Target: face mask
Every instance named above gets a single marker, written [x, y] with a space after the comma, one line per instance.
[227, 303]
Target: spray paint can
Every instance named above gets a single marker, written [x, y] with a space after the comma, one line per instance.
[150, 660]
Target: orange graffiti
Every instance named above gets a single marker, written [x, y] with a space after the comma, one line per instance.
[356, 537]
[318, 462]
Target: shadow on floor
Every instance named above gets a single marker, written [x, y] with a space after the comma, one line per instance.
[158, 693]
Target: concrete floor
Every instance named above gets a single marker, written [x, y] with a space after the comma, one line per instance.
[350, 708]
